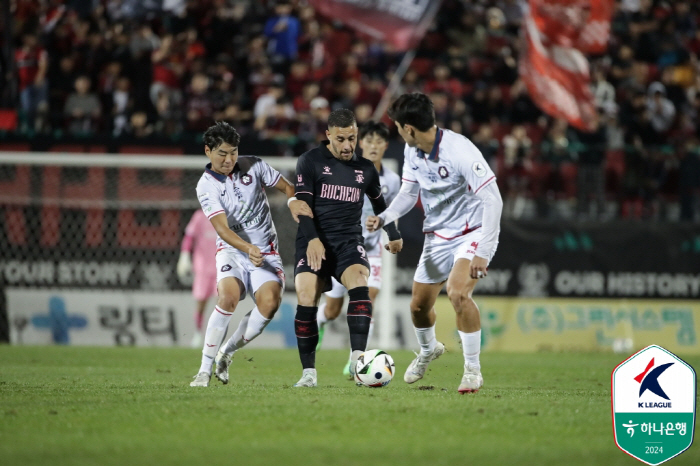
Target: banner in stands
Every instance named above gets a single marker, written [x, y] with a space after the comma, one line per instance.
[399, 22]
[547, 324]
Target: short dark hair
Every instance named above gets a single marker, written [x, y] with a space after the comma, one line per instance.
[415, 109]
[341, 118]
[373, 127]
[220, 133]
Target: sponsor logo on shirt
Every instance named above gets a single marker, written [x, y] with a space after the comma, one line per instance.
[327, 170]
[479, 169]
[340, 193]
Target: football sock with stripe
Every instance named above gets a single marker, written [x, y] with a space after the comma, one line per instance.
[471, 347]
[306, 329]
[359, 317]
[216, 331]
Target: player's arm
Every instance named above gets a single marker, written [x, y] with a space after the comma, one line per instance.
[304, 191]
[400, 206]
[296, 206]
[220, 224]
[490, 227]
[374, 192]
[184, 262]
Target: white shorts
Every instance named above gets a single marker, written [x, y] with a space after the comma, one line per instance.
[439, 255]
[375, 279]
[233, 263]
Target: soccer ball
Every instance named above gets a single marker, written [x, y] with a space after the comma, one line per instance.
[374, 368]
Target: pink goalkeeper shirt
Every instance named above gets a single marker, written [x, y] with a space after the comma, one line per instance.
[200, 241]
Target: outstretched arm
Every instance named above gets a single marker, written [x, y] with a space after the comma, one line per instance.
[296, 206]
[400, 206]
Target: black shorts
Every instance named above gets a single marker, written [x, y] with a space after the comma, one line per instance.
[338, 258]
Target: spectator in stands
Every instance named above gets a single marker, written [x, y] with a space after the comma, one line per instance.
[82, 108]
[661, 111]
[282, 31]
[517, 161]
[689, 183]
[603, 91]
[488, 145]
[122, 104]
[32, 62]
[590, 154]
[265, 104]
[199, 107]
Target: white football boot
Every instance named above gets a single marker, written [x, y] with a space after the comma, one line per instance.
[308, 379]
[201, 380]
[223, 361]
[472, 380]
[416, 370]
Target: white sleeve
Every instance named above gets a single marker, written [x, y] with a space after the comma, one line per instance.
[269, 175]
[402, 203]
[491, 222]
[209, 200]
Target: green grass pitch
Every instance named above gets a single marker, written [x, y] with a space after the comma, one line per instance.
[134, 406]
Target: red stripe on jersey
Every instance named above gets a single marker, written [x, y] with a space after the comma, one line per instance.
[484, 184]
[215, 213]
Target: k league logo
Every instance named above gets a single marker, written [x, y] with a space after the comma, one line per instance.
[653, 404]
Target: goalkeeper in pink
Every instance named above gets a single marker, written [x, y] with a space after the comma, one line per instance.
[198, 258]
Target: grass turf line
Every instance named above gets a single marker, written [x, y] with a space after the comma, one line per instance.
[134, 406]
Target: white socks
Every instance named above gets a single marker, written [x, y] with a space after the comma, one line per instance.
[426, 339]
[321, 315]
[216, 330]
[471, 347]
[250, 327]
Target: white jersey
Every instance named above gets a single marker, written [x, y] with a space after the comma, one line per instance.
[391, 183]
[241, 197]
[449, 177]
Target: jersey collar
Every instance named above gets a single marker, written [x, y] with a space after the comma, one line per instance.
[218, 176]
[433, 156]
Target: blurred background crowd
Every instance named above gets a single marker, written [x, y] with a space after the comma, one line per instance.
[164, 70]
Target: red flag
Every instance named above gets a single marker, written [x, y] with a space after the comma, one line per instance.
[552, 66]
[399, 22]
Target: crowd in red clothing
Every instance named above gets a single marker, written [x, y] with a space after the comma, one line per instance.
[275, 70]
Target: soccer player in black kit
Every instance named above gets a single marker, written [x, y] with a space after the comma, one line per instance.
[333, 181]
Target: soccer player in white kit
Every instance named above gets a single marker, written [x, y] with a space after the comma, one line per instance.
[232, 195]
[374, 140]
[197, 258]
[462, 208]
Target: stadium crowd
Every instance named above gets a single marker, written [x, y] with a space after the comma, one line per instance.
[275, 70]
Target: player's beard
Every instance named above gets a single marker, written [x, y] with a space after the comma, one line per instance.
[342, 156]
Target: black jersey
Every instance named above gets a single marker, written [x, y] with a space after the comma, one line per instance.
[338, 189]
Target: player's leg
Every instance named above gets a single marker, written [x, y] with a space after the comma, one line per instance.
[432, 271]
[330, 309]
[198, 336]
[359, 313]
[203, 286]
[231, 290]
[309, 287]
[267, 283]
[460, 287]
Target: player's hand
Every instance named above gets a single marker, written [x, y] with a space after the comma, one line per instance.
[394, 246]
[298, 208]
[478, 268]
[374, 223]
[184, 265]
[255, 255]
[315, 253]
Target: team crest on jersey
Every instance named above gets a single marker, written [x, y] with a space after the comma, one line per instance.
[442, 171]
[246, 179]
[359, 178]
[327, 170]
